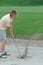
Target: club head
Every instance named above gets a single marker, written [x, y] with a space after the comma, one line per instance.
[21, 57]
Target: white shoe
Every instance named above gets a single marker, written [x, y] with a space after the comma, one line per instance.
[5, 53]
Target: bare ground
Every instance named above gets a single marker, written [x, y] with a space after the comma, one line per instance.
[35, 50]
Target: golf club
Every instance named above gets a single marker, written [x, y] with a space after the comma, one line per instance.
[18, 50]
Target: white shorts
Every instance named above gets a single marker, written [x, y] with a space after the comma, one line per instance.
[2, 34]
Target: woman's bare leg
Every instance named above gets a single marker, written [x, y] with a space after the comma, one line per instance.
[2, 48]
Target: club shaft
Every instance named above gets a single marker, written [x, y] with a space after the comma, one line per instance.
[18, 49]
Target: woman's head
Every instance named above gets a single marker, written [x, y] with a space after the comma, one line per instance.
[13, 14]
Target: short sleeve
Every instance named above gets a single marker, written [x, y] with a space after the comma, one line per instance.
[8, 22]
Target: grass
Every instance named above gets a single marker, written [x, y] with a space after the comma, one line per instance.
[28, 21]
[20, 2]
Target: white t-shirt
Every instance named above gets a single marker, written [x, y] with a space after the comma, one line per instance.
[5, 21]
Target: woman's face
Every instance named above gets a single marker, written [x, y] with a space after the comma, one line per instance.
[13, 16]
